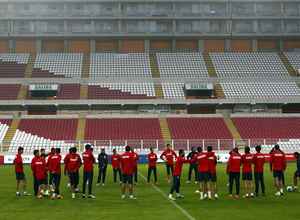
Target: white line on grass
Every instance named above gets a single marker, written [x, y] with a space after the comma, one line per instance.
[173, 203]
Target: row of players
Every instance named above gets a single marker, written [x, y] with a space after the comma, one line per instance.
[205, 161]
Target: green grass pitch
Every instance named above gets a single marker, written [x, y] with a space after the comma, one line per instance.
[151, 204]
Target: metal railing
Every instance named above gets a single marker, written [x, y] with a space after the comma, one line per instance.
[145, 145]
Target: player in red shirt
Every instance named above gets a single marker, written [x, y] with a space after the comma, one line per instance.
[50, 168]
[66, 160]
[167, 156]
[212, 162]
[247, 160]
[203, 171]
[176, 175]
[74, 163]
[40, 168]
[88, 170]
[56, 172]
[259, 161]
[136, 158]
[278, 166]
[152, 157]
[115, 160]
[233, 166]
[36, 154]
[19, 172]
[127, 162]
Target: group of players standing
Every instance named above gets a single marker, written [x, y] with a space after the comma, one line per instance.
[204, 164]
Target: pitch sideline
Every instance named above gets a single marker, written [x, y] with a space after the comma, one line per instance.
[173, 203]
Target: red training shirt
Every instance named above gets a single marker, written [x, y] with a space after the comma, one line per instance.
[40, 168]
[258, 161]
[74, 163]
[178, 165]
[136, 157]
[247, 160]
[168, 154]
[66, 161]
[127, 162]
[202, 159]
[234, 163]
[152, 157]
[212, 162]
[32, 165]
[55, 163]
[50, 168]
[18, 163]
[88, 160]
[115, 161]
[277, 160]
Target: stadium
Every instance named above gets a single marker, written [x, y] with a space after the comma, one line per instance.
[220, 73]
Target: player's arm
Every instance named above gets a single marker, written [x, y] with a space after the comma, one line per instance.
[20, 162]
[193, 160]
[284, 163]
[132, 163]
[162, 156]
[33, 166]
[175, 155]
[93, 158]
[137, 157]
[189, 156]
[48, 154]
[216, 161]
[79, 162]
[271, 162]
[228, 165]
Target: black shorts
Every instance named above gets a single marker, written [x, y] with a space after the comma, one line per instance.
[213, 177]
[169, 166]
[74, 178]
[42, 181]
[297, 174]
[278, 173]
[246, 176]
[127, 177]
[203, 176]
[20, 176]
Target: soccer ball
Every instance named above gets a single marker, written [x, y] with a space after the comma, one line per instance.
[47, 193]
[289, 189]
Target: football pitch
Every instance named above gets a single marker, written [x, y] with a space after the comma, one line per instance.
[152, 202]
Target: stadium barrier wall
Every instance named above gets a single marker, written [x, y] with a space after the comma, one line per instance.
[222, 158]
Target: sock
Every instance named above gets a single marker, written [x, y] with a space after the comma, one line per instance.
[42, 190]
[123, 196]
[69, 184]
[83, 194]
[201, 194]
[51, 187]
[216, 195]
[53, 195]
[251, 194]
[18, 193]
[131, 196]
[281, 190]
[278, 192]
[76, 189]
[170, 195]
[209, 193]
[205, 195]
[73, 194]
[25, 192]
[247, 194]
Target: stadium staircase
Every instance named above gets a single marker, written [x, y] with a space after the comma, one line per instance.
[287, 65]
[209, 66]
[165, 130]
[80, 134]
[158, 92]
[154, 66]
[10, 134]
[22, 93]
[30, 66]
[85, 66]
[241, 143]
[84, 92]
[220, 92]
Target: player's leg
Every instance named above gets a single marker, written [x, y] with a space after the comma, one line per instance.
[85, 178]
[215, 189]
[174, 186]
[104, 175]
[35, 186]
[237, 183]
[177, 188]
[155, 174]
[246, 187]
[149, 173]
[17, 186]
[130, 180]
[136, 174]
[296, 175]
[76, 182]
[51, 177]
[256, 179]
[168, 171]
[262, 183]
[190, 173]
[120, 174]
[115, 176]
[231, 177]
[251, 187]
[90, 177]
[124, 185]
[283, 180]
[277, 183]
[99, 176]
[196, 173]
[24, 185]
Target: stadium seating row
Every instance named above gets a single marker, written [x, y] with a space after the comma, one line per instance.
[137, 65]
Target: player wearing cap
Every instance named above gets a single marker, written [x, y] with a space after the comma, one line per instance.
[102, 160]
[88, 170]
[152, 157]
[259, 161]
[193, 166]
[56, 172]
[233, 166]
[127, 162]
[278, 166]
[74, 163]
[18, 162]
[176, 175]
[115, 160]
[203, 171]
[247, 160]
[212, 162]
[167, 156]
